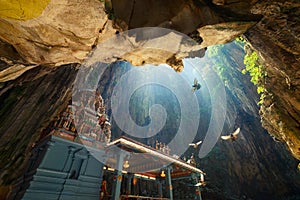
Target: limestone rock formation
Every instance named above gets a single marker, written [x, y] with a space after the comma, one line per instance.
[61, 32]
[64, 32]
[27, 104]
[277, 37]
[247, 162]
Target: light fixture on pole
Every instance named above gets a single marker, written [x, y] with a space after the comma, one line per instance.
[163, 174]
[126, 164]
[201, 181]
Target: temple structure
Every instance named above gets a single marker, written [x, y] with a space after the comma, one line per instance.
[147, 163]
[64, 169]
[60, 169]
[83, 163]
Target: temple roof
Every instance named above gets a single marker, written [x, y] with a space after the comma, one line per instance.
[149, 161]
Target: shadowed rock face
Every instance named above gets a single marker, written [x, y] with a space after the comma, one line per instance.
[277, 38]
[181, 15]
[261, 167]
[65, 32]
[27, 105]
[212, 23]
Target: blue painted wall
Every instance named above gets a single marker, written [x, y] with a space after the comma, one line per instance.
[61, 169]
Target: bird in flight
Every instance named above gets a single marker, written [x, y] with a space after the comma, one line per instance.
[232, 136]
[195, 145]
[196, 85]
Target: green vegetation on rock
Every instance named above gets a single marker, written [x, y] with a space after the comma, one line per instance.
[253, 66]
[255, 70]
[223, 62]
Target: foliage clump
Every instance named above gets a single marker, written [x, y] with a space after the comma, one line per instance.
[256, 70]
[252, 61]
